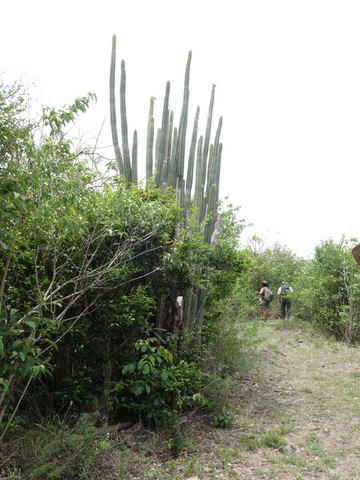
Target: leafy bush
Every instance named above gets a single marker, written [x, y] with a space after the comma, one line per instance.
[223, 419]
[155, 387]
[329, 292]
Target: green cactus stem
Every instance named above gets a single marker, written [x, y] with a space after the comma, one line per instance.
[124, 127]
[160, 160]
[134, 159]
[180, 157]
[115, 139]
[150, 142]
[191, 161]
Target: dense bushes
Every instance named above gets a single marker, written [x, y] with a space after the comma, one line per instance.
[329, 292]
[87, 265]
[326, 287]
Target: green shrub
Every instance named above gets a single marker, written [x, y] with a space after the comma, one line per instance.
[155, 387]
[223, 419]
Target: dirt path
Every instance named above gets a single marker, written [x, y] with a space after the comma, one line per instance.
[307, 393]
[298, 419]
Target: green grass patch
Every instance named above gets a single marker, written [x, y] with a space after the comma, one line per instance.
[274, 438]
[306, 389]
[228, 455]
[318, 378]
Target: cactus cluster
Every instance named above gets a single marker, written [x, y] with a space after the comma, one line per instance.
[166, 160]
[165, 152]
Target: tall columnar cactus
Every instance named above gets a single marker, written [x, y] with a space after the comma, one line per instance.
[163, 137]
[180, 154]
[165, 161]
[150, 142]
[191, 162]
[122, 157]
[115, 139]
[124, 127]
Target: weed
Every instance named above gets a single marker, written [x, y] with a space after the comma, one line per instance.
[275, 349]
[292, 458]
[317, 378]
[306, 390]
[250, 441]
[273, 439]
[227, 455]
[223, 419]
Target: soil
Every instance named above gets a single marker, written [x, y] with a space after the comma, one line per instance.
[297, 417]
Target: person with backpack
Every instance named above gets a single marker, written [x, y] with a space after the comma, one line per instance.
[284, 296]
[266, 296]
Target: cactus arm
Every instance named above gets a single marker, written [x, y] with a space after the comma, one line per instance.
[124, 127]
[157, 154]
[172, 166]
[211, 213]
[163, 135]
[208, 126]
[218, 170]
[134, 154]
[167, 166]
[190, 168]
[149, 150]
[217, 136]
[183, 122]
[150, 142]
[199, 187]
[115, 139]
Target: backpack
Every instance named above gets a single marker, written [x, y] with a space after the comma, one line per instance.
[284, 290]
[268, 295]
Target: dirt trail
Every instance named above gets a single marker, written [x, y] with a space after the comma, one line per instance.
[308, 391]
[298, 417]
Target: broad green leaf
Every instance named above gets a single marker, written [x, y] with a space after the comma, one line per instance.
[145, 369]
[30, 323]
[138, 390]
[164, 376]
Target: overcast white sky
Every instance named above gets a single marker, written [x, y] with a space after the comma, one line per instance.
[288, 88]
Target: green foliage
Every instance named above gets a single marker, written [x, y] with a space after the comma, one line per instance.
[223, 419]
[158, 387]
[273, 264]
[273, 439]
[58, 119]
[60, 451]
[329, 294]
[226, 263]
[88, 264]
[72, 255]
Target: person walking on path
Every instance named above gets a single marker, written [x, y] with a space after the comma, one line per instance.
[266, 296]
[284, 296]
